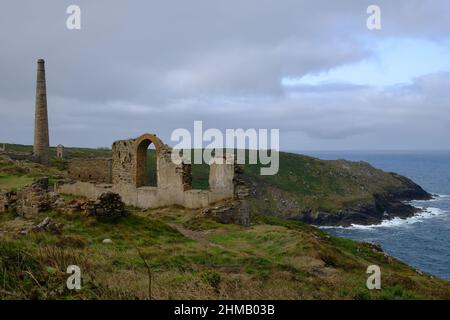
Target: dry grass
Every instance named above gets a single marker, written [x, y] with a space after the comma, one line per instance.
[274, 259]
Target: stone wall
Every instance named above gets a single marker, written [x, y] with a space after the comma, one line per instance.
[95, 170]
[122, 161]
[221, 178]
[33, 198]
[85, 189]
[127, 174]
[29, 200]
[22, 156]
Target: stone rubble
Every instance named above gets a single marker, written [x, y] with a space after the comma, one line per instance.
[34, 198]
[48, 225]
[108, 205]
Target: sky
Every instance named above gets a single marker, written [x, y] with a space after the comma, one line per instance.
[311, 69]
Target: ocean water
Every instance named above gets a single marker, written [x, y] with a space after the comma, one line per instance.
[422, 241]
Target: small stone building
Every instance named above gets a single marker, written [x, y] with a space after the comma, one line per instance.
[125, 175]
[60, 152]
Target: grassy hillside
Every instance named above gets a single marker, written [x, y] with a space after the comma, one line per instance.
[15, 174]
[303, 184]
[193, 257]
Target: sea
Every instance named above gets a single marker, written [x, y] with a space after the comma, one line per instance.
[422, 241]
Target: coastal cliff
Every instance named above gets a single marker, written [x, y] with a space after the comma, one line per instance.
[193, 256]
[312, 190]
[333, 192]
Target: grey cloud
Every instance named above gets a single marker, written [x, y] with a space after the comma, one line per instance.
[159, 65]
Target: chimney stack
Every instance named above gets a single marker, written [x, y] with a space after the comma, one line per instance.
[41, 140]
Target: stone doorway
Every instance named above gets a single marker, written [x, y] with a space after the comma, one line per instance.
[147, 160]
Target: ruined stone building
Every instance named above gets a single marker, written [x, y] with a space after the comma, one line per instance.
[60, 152]
[41, 149]
[125, 174]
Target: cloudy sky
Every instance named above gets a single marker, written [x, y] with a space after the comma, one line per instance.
[310, 68]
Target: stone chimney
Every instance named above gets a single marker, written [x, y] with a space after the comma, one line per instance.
[41, 140]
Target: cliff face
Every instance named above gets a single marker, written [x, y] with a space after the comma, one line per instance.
[384, 206]
[333, 192]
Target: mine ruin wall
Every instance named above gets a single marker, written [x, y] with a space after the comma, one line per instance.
[93, 170]
[145, 197]
[125, 174]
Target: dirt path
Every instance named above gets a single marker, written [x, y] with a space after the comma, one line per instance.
[195, 235]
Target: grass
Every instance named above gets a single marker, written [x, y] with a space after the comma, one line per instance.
[14, 182]
[194, 257]
[16, 174]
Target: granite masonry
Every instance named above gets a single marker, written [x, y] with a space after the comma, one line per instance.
[60, 152]
[41, 149]
[127, 177]
[95, 170]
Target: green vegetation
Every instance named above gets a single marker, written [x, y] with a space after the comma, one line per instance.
[14, 182]
[194, 257]
[16, 174]
[70, 152]
[322, 184]
[273, 258]
[308, 183]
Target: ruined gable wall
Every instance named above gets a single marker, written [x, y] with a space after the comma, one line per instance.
[97, 170]
[60, 152]
[123, 159]
[174, 180]
[171, 175]
[221, 179]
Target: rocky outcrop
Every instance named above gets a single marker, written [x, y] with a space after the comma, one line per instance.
[385, 206]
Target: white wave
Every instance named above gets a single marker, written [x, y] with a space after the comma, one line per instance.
[436, 197]
[426, 213]
[440, 197]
